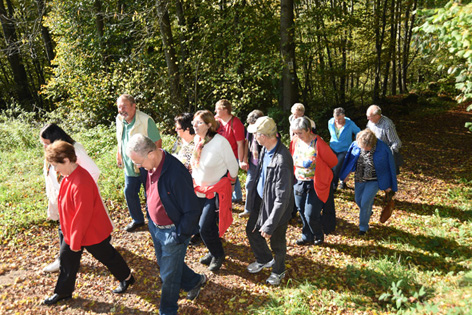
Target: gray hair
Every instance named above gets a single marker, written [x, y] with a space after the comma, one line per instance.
[140, 144]
[376, 109]
[128, 98]
[252, 117]
[301, 123]
[339, 111]
[298, 107]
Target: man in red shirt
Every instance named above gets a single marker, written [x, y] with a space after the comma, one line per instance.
[233, 130]
[174, 212]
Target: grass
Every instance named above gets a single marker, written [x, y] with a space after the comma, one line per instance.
[420, 263]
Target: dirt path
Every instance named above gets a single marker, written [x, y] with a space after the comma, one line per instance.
[437, 149]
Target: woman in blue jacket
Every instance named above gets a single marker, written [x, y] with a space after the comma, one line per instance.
[372, 162]
[341, 130]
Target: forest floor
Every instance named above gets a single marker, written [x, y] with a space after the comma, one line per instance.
[438, 154]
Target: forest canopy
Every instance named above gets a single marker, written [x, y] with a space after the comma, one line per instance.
[76, 57]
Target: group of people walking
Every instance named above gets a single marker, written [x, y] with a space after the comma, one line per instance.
[190, 190]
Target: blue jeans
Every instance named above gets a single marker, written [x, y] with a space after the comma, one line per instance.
[364, 195]
[237, 193]
[209, 227]
[309, 206]
[175, 274]
[250, 182]
[132, 188]
[337, 168]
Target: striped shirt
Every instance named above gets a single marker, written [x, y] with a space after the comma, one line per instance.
[385, 130]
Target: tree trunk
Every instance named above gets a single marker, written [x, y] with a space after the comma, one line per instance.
[287, 49]
[169, 51]
[409, 23]
[45, 34]
[379, 26]
[13, 54]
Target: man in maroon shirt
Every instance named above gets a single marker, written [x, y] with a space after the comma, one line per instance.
[174, 212]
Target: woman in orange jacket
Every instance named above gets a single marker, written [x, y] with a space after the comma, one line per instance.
[313, 161]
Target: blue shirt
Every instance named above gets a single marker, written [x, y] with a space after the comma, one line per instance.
[267, 158]
[342, 143]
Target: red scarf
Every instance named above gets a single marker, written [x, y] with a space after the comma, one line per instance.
[224, 191]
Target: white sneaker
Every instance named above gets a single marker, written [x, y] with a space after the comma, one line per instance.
[244, 214]
[53, 267]
[275, 279]
[255, 267]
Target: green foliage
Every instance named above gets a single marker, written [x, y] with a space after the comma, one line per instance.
[397, 297]
[446, 34]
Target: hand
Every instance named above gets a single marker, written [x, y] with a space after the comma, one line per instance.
[244, 166]
[388, 190]
[119, 161]
[264, 234]
[75, 251]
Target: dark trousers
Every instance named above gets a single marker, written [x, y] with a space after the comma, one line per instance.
[70, 263]
[209, 227]
[259, 245]
[337, 168]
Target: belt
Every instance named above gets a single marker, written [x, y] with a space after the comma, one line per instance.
[162, 227]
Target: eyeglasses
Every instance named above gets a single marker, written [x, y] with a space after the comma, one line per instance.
[144, 159]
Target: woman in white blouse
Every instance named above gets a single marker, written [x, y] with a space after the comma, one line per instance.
[47, 135]
[214, 170]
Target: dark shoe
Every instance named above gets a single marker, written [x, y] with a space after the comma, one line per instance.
[56, 298]
[303, 242]
[318, 242]
[195, 240]
[206, 260]
[362, 233]
[216, 263]
[124, 285]
[342, 185]
[192, 294]
[133, 226]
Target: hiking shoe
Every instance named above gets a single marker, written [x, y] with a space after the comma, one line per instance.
[255, 267]
[362, 233]
[342, 185]
[275, 279]
[244, 214]
[206, 260]
[301, 241]
[216, 263]
[193, 293]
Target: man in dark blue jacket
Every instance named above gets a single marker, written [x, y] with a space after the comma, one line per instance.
[173, 218]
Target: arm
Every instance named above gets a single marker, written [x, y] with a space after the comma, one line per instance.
[242, 155]
[326, 154]
[86, 162]
[82, 201]
[119, 160]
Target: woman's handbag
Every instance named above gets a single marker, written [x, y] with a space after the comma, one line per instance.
[388, 207]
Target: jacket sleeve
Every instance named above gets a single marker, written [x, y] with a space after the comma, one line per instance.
[326, 154]
[186, 202]
[283, 200]
[392, 170]
[82, 197]
[349, 164]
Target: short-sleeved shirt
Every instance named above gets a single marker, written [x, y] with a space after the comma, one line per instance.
[152, 133]
[233, 131]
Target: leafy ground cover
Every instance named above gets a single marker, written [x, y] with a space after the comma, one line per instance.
[418, 262]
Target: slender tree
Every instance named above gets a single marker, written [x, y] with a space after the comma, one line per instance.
[287, 49]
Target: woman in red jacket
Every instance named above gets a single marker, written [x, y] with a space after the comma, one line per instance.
[313, 160]
[84, 222]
